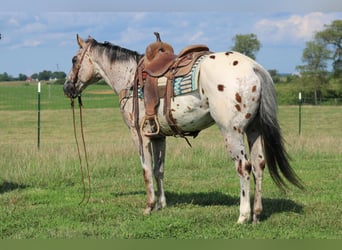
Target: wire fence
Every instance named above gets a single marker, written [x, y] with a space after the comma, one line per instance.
[19, 106]
[322, 101]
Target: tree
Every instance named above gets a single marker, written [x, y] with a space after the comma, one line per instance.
[22, 77]
[34, 76]
[332, 37]
[58, 75]
[246, 44]
[274, 74]
[314, 71]
[44, 75]
[5, 77]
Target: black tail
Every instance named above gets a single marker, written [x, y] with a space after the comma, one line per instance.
[276, 156]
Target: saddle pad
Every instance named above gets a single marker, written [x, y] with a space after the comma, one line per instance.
[181, 85]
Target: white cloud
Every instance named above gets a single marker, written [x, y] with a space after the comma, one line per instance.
[130, 36]
[33, 28]
[195, 37]
[139, 16]
[27, 44]
[293, 29]
[13, 22]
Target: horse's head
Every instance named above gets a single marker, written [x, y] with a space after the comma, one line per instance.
[83, 71]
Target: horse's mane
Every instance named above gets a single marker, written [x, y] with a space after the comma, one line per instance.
[114, 52]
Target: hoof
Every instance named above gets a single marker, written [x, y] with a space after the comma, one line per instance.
[161, 205]
[147, 211]
[256, 218]
[243, 219]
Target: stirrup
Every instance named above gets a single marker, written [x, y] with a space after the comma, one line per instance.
[155, 119]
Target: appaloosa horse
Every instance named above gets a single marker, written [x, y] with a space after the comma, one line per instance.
[232, 91]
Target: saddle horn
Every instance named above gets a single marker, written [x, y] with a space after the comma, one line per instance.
[157, 36]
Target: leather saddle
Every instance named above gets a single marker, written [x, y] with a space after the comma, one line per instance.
[160, 61]
[163, 62]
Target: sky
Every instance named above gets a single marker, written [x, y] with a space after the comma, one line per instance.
[40, 35]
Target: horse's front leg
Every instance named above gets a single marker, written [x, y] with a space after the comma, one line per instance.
[159, 148]
[145, 153]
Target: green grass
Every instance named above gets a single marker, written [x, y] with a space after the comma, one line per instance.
[24, 96]
[40, 190]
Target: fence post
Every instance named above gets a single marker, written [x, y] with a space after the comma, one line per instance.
[299, 113]
[38, 142]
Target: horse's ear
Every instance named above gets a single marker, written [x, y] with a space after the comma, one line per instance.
[80, 41]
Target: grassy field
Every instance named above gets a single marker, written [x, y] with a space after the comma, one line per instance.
[40, 190]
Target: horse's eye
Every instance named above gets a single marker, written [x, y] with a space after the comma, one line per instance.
[74, 60]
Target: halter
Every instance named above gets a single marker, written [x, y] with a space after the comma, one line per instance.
[78, 66]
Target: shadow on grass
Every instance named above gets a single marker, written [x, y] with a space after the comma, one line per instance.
[271, 206]
[201, 199]
[10, 186]
[118, 194]
[274, 206]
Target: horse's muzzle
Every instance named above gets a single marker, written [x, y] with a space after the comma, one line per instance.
[70, 90]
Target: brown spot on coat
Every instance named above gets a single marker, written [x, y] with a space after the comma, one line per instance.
[238, 97]
[212, 57]
[262, 165]
[238, 108]
[254, 88]
[228, 53]
[220, 87]
[235, 63]
[248, 115]
[239, 168]
[248, 167]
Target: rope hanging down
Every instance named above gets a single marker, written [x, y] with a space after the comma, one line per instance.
[84, 149]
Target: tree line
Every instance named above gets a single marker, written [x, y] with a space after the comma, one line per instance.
[325, 48]
[313, 75]
[45, 75]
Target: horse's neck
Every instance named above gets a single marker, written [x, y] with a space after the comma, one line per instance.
[117, 74]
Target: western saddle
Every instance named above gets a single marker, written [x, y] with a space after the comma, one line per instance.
[160, 61]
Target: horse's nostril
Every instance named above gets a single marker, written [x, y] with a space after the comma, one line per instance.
[69, 90]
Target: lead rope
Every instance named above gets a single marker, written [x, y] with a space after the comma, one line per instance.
[78, 150]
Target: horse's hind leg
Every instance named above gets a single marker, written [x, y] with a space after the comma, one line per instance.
[258, 165]
[235, 146]
[159, 147]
